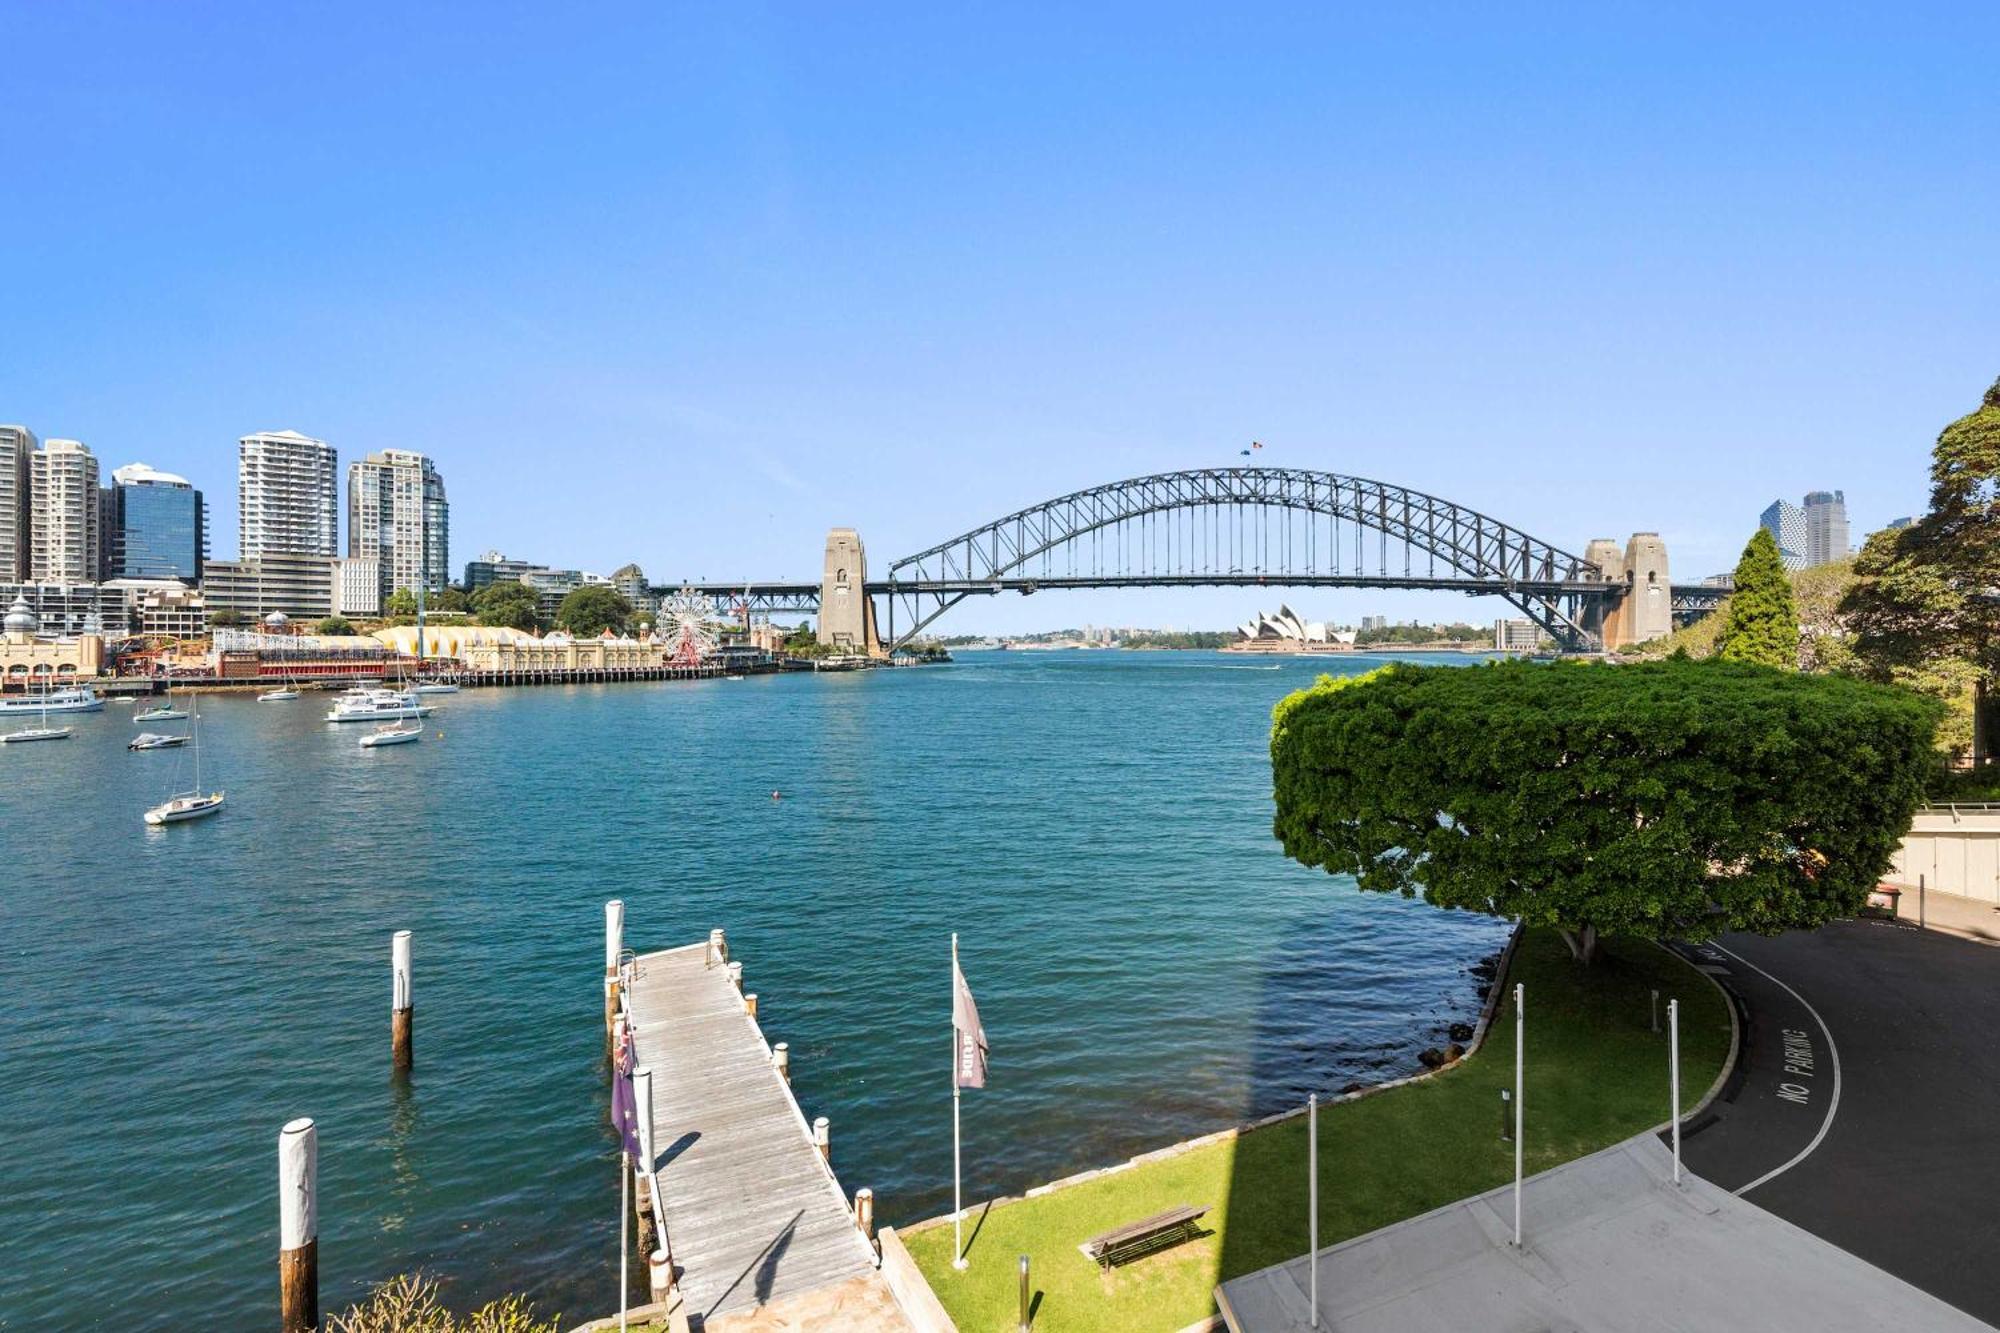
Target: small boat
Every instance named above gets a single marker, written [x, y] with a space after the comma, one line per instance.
[392, 735]
[191, 806]
[36, 734]
[376, 705]
[280, 695]
[436, 687]
[166, 712]
[153, 740]
[732, 677]
[193, 803]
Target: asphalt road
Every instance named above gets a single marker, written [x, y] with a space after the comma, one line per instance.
[1866, 1107]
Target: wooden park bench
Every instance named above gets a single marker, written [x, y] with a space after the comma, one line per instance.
[1136, 1238]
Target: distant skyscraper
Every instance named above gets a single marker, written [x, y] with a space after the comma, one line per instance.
[397, 514]
[1787, 523]
[1826, 527]
[154, 526]
[64, 517]
[17, 443]
[288, 491]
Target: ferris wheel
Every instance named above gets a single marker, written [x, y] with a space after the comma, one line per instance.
[685, 628]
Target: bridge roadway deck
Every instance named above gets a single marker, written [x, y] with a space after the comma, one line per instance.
[751, 1212]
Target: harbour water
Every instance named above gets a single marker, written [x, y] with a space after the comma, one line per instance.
[1095, 825]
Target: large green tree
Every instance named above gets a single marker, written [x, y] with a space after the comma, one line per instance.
[1761, 625]
[402, 602]
[511, 604]
[1666, 799]
[1924, 609]
[592, 609]
[334, 626]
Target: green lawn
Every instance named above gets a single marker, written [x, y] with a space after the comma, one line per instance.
[1596, 1074]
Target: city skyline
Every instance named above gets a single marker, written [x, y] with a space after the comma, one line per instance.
[747, 297]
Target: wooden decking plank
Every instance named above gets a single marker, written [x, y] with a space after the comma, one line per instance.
[751, 1176]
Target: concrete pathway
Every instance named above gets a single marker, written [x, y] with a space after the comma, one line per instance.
[1610, 1244]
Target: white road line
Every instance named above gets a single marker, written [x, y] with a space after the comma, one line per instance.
[1833, 1105]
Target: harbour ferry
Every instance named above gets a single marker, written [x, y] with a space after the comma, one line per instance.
[69, 699]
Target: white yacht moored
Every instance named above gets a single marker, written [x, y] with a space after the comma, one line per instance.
[153, 740]
[393, 735]
[280, 695]
[374, 705]
[193, 803]
[36, 734]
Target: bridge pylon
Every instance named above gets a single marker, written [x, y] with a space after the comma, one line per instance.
[846, 612]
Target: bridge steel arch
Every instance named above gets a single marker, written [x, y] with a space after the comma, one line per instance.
[1216, 526]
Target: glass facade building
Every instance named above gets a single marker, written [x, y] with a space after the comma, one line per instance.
[155, 526]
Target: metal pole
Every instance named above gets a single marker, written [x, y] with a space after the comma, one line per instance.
[1312, 1200]
[1922, 918]
[1674, 1042]
[1024, 1294]
[957, 1175]
[624, 1222]
[1520, 1035]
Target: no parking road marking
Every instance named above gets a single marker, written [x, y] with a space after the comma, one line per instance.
[1800, 1069]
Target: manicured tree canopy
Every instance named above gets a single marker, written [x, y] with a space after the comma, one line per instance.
[592, 609]
[1667, 799]
[1762, 625]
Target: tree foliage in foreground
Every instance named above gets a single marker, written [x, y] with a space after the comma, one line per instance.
[410, 1304]
[1761, 626]
[1671, 799]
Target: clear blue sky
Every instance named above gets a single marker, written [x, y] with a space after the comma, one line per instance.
[687, 285]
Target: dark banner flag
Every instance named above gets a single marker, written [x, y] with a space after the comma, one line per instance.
[624, 1105]
[969, 1048]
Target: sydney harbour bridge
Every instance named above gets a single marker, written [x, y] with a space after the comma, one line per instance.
[1257, 527]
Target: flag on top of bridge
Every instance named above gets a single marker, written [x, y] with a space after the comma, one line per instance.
[968, 1038]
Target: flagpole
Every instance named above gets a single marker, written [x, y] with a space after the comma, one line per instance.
[624, 1211]
[957, 1176]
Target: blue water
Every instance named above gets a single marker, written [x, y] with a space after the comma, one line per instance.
[1096, 826]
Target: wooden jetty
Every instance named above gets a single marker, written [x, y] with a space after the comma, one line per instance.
[748, 1205]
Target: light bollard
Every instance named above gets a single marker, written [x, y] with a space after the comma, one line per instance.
[823, 1138]
[1022, 1327]
[1674, 1076]
[1520, 1042]
[781, 1056]
[1312, 1203]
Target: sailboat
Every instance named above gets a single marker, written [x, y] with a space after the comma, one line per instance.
[165, 712]
[393, 734]
[427, 684]
[45, 732]
[193, 803]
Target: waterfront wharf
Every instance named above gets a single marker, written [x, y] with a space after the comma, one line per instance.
[747, 1203]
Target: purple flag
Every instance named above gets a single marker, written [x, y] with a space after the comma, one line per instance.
[968, 1038]
[624, 1104]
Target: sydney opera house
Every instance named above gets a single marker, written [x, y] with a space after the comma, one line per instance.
[1282, 631]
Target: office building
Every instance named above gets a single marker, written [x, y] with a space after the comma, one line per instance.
[1516, 636]
[165, 608]
[630, 581]
[287, 490]
[1374, 622]
[154, 526]
[298, 586]
[357, 586]
[1826, 527]
[65, 516]
[17, 443]
[1786, 523]
[397, 514]
[1813, 535]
